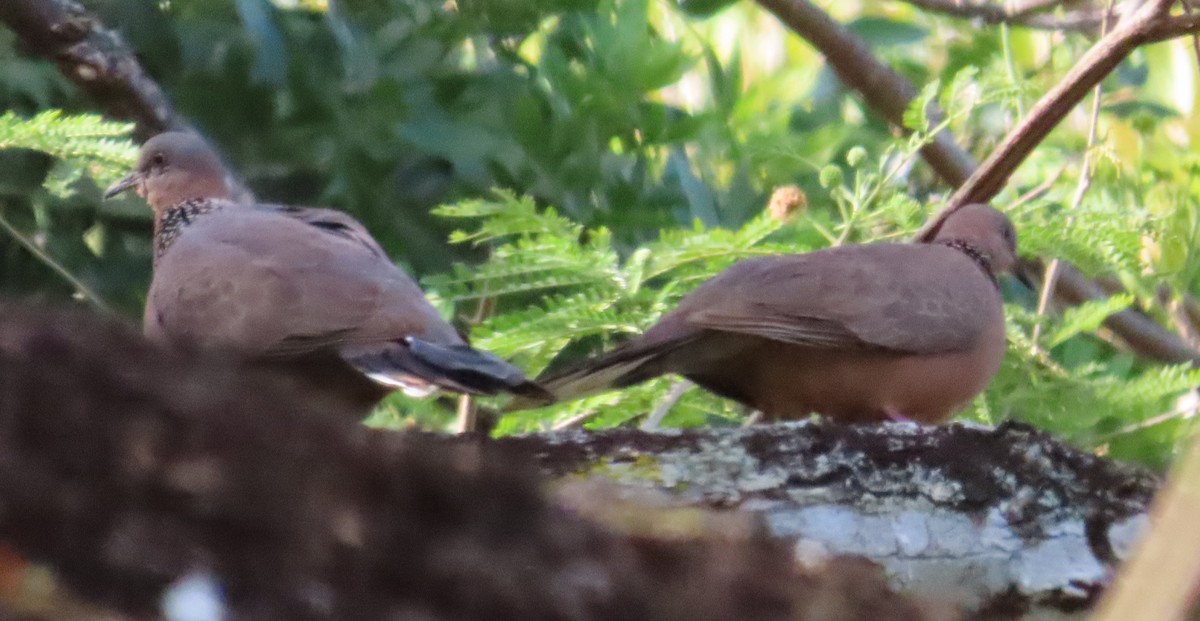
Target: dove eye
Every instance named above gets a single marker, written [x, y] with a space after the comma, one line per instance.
[158, 160]
[1010, 237]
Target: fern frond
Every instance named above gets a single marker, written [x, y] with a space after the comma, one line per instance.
[84, 142]
[1087, 317]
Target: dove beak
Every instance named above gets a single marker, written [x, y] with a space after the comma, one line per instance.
[126, 182]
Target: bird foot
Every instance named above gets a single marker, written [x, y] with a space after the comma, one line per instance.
[896, 417]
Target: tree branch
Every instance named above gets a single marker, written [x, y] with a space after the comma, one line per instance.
[1176, 26]
[1028, 14]
[94, 58]
[97, 60]
[993, 174]
[884, 90]
[895, 493]
[1031, 15]
[891, 93]
[1144, 335]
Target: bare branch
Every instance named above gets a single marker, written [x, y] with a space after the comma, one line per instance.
[1028, 14]
[991, 176]
[1031, 15]
[1142, 333]
[1088, 22]
[1081, 188]
[882, 490]
[126, 467]
[1173, 27]
[884, 90]
[94, 57]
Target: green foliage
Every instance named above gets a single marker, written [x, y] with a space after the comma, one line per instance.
[552, 281]
[66, 153]
[1086, 317]
[83, 142]
[552, 296]
[600, 158]
[1084, 392]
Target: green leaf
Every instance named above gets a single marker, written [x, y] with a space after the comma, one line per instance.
[84, 142]
[1087, 317]
[704, 8]
[916, 116]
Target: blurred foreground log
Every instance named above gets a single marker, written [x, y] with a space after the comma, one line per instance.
[126, 469]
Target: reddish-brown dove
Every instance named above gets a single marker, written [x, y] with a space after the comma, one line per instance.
[857, 333]
[306, 288]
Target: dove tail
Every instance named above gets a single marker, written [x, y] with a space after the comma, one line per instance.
[617, 369]
[419, 367]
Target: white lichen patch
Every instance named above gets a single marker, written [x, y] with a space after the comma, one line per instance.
[721, 471]
[943, 553]
[1123, 536]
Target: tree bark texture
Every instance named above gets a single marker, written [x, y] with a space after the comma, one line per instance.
[983, 517]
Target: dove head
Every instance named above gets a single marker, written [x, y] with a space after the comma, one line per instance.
[173, 167]
[986, 231]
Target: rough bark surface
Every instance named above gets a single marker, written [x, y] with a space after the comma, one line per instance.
[991, 518]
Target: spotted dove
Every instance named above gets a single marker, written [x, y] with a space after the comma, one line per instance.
[308, 289]
[857, 333]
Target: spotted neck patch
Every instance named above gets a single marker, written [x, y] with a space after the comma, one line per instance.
[976, 256]
[177, 217]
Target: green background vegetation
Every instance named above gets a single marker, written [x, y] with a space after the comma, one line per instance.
[559, 172]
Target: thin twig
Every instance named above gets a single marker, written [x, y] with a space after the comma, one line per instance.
[575, 421]
[467, 420]
[1142, 333]
[883, 88]
[1037, 191]
[1010, 67]
[1046, 114]
[54, 265]
[1085, 182]
[877, 83]
[1185, 407]
[1027, 14]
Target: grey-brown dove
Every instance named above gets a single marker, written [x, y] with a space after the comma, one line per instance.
[308, 289]
[857, 333]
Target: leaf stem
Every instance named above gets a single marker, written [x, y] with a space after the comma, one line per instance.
[54, 265]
